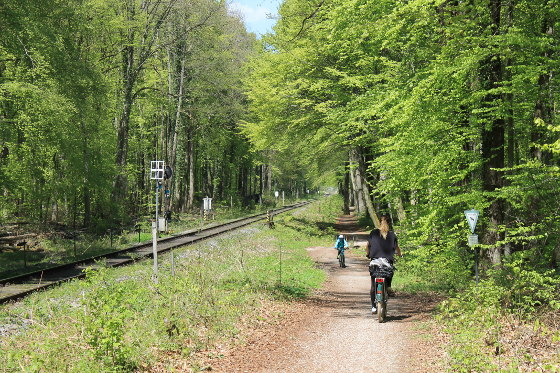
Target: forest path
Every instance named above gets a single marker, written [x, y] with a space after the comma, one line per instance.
[334, 330]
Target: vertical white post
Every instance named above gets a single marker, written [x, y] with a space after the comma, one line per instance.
[280, 265]
[154, 240]
[282, 198]
[157, 173]
[157, 205]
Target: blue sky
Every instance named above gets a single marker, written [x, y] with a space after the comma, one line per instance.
[255, 14]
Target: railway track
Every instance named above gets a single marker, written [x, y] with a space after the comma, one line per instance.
[19, 286]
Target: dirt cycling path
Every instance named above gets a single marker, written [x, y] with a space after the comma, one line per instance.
[334, 330]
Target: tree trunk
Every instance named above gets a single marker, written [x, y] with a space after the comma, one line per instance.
[189, 154]
[359, 204]
[401, 213]
[358, 162]
[510, 124]
[86, 191]
[556, 257]
[120, 185]
[543, 109]
[172, 156]
[346, 188]
[269, 179]
[493, 138]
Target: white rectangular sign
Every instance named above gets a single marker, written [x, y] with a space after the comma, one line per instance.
[157, 169]
[473, 239]
[207, 203]
[162, 225]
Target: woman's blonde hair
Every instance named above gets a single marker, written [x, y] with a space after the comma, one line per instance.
[384, 226]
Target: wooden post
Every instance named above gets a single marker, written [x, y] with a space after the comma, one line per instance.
[25, 254]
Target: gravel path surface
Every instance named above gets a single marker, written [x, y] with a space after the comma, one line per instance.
[334, 330]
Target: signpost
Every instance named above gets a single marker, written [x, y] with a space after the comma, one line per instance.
[206, 207]
[157, 172]
[207, 203]
[472, 219]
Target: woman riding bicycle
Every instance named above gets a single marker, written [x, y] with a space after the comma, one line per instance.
[382, 243]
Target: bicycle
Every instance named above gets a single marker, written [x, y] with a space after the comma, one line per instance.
[380, 270]
[341, 258]
[341, 245]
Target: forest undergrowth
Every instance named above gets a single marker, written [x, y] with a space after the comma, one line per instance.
[121, 320]
[50, 246]
[508, 322]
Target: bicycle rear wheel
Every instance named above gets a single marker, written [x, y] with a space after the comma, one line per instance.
[381, 297]
[381, 311]
[341, 260]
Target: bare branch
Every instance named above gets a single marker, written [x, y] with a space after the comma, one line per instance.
[307, 18]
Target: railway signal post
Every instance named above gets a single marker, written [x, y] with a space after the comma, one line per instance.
[157, 172]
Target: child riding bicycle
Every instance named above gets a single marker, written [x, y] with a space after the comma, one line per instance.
[340, 245]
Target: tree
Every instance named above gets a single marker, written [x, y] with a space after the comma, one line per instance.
[439, 98]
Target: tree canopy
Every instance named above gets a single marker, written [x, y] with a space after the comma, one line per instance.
[443, 105]
[92, 90]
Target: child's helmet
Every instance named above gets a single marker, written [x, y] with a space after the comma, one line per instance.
[341, 236]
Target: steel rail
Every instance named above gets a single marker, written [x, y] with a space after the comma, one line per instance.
[17, 287]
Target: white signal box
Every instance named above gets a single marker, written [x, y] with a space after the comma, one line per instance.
[157, 170]
[207, 204]
[162, 224]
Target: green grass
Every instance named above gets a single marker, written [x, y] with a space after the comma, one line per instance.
[56, 251]
[120, 320]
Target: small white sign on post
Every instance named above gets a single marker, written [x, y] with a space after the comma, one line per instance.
[207, 204]
[473, 239]
[472, 218]
[162, 224]
[276, 194]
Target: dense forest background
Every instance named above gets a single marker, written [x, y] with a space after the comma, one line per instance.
[430, 108]
[92, 91]
[421, 109]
